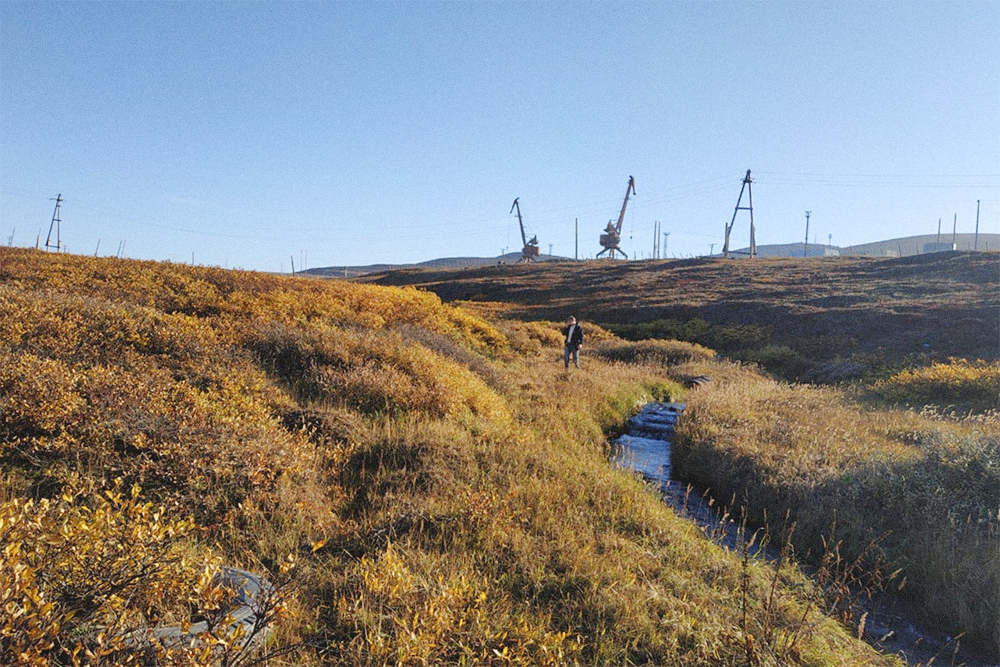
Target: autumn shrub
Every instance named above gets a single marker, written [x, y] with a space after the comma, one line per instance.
[958, 385]
[84, 575]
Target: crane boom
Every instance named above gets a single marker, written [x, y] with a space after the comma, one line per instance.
[530, 250]
[524, 239]
[621, 216]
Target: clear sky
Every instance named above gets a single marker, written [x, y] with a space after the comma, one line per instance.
[371, 132]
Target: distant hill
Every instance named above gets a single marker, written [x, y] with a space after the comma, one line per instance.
[442, 263]
[914, 245]
[901, 247]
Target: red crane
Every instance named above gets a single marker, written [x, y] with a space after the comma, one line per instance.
[530, 250]
[612, 235]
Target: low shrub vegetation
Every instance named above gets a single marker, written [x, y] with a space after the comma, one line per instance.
[442, 485]
[85, 576]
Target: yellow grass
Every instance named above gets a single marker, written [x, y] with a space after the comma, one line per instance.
[442, 484]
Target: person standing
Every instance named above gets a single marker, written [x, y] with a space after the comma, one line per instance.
[573, 333]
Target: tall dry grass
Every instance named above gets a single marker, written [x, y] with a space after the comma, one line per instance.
[926, 488]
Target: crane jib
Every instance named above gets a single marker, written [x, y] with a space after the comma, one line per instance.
[524, 239]
[621, 216]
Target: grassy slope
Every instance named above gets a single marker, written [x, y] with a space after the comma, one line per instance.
[442, 485]
[870, 311]
[930, 482]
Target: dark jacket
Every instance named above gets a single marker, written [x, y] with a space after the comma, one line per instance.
[577, 340]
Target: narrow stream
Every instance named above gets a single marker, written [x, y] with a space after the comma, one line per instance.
[890, 624]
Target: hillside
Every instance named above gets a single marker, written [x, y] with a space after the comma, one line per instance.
[901, 247]
[913, 245]
[442, 263]
[819, 319]
[422, 486]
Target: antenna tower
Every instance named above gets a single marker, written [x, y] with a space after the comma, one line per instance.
[747, 181]
[57, 224]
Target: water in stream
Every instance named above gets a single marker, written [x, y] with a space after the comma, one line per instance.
[890, 624]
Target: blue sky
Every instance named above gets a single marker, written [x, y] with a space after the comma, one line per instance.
[250, 132]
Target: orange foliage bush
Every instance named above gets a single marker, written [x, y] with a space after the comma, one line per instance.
[80, 574]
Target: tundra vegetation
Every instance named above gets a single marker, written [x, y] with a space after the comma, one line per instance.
[851, 467]
[424, 486]
[896, 444]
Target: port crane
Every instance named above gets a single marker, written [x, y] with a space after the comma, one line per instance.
[612, 235]
[530, 250]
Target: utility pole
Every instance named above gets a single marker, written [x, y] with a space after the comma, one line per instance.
[974, 247]
[939, 231]
[576, 238]
[954, 228]
[666, 238]
[656, 239]
[57, 223]
[747, 181]
[98, 247]
[292, 257]
[805, 248]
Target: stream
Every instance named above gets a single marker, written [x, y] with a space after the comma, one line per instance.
[890, 625]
